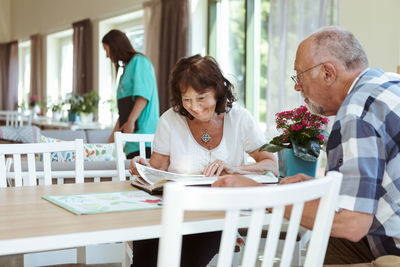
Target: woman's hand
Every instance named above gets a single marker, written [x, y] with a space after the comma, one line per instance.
[132, 166]
[128, 127]
[217, 168]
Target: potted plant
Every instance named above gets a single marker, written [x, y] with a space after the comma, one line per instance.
[56, 111]
[75, 102]
[300, 142]
[89, 106]
[34, 104]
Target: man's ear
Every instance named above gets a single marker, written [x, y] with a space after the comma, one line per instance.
[329, 72]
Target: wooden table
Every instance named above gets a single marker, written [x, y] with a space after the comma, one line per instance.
[48, 123]
[29, 223]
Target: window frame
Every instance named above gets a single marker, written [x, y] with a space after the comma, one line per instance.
[54, 60]
[24, 87]
[107, 78]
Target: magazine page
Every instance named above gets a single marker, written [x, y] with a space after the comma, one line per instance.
[152, 176]
[267, 178]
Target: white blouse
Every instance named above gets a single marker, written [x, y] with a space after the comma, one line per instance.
[174, 139]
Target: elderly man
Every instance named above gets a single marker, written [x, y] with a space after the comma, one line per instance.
[334, 79]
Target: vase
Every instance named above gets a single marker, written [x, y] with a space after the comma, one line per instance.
[57, 115]
[86, 118]
[35, 110]
[290, 165]
[73, 117]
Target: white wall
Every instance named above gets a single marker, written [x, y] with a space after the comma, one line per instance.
[48, 16]
[376, 25]
[5, 20]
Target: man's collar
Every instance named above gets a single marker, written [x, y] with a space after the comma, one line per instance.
[356, 80]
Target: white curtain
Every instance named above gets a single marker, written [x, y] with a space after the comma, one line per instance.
[290, 22]
[152, 28]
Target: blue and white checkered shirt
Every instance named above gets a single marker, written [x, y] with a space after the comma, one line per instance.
[364, 145]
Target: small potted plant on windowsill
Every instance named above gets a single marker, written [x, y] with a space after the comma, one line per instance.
[34, 104]
[89, 106]
[75, 102]
[300, 142]
[56, 110]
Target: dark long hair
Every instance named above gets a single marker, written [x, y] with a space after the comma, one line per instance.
[200, 73]
[121, 48]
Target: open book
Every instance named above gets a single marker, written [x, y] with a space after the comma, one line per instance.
[152, 180]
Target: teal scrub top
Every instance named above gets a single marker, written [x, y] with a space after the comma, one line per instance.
[139, 79]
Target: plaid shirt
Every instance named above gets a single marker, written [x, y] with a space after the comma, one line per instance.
[364, 145]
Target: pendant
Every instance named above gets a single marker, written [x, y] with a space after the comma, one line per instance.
[205, 137]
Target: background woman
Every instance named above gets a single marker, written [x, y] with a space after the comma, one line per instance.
[204, 132]
[137, 94]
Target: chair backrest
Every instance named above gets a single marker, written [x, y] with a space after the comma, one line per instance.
[120, 139]
[178, 198]
[29, 177]
[15, 118]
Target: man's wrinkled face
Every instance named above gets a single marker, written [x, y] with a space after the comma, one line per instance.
[306, 79]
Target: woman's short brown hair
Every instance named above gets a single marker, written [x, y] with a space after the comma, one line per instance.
[200, 73]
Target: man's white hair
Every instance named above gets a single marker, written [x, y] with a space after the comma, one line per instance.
[335, 42]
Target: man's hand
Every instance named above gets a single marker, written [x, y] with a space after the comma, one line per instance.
[234, 181]
[300, 177]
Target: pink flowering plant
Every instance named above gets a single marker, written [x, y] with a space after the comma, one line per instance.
[34, 100]
[302, 131]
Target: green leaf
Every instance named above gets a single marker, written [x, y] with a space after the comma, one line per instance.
[271, 148]
[308, 152]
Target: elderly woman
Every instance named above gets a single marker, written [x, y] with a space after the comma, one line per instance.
[204, 132]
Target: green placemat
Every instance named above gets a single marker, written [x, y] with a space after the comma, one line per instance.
[105, 202]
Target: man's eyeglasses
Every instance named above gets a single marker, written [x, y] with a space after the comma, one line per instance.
[295, 78]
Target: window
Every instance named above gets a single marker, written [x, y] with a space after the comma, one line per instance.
[132, 25]
[59, 66]
[24, 51]
[238, 39]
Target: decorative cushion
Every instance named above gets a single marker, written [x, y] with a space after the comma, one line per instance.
[24, 134]
[99, 152]
[92, 152]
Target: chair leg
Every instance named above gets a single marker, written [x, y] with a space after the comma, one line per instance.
[126, 257]
[27, 258]
[235, 260]
[296, 261]
[81, 255]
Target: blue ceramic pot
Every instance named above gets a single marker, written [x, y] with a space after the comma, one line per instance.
[73, 117]
[290, 165]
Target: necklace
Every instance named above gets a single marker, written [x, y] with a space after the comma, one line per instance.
[205, 137]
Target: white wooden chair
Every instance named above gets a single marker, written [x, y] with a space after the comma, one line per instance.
[17, 177]
[178, 198]
[15, 118]
[120, 139]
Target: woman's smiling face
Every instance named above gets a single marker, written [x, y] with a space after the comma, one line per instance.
[200, 105]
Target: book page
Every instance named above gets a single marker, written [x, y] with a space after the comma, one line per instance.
[153, 176]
